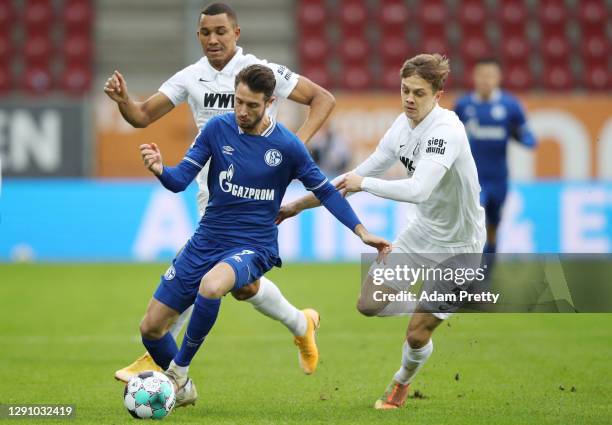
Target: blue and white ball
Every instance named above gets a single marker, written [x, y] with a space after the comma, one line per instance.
[149, 395]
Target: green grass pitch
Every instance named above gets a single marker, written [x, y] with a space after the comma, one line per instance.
[64, 329]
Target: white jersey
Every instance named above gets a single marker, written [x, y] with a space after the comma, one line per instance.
[210, 93]
[451, 216]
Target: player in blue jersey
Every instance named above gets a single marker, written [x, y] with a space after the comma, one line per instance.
[492, 117]
[208, 87]
[252, 161]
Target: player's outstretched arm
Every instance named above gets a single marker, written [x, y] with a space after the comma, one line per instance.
[415, 190]
[336, 204]
[175, 179]
[525, 136]
[138, 114]
[306, 202]
[521, 132]
[341, 209]
[312, 178]
[294, 208]
[320, 101]
[383, 246]
[376, 164]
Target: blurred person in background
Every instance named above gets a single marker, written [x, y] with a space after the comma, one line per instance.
[208, 87]
[492, 117]
[329, 151]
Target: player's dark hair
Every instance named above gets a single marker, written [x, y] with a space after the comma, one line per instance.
[489, 60]
[258, 78]
[219, 9]
[432, 68]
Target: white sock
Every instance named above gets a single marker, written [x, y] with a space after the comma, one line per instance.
[176, 328]
[269, 301]
[412, 360]
[180, 370]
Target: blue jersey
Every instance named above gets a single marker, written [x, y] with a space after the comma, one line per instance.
[490, 125]
[247, 179]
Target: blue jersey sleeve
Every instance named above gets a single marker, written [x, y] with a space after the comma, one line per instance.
[520, 130]
[314, 180]
[460, 107]
[178, 178]
[517, 116]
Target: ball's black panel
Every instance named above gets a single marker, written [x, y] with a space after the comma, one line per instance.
[147, 374]
[134, 415]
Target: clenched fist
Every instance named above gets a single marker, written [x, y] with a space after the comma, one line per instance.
[116, 88]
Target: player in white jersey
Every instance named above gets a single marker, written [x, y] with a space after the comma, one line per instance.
[443, 183]
[208, 87]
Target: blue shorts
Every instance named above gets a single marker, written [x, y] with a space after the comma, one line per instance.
[179, 286]
[492, 199]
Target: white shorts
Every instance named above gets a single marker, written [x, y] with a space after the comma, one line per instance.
[419, 253]
[202, 196]
[409, 243]
[202, 200]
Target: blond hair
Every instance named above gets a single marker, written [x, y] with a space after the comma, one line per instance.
[432, 68]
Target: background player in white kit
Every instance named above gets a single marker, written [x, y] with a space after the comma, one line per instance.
[432, 144]
[208, 87]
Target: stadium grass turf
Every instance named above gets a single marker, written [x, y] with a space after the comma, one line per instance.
[66, 328]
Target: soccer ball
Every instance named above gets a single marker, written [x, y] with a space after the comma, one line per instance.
[149, 395]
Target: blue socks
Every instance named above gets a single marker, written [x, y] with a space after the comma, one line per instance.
[205, 312]
[162, 350]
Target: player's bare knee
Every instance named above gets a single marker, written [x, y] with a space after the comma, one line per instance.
[208, 289]
[149, 329]
[367, 307]
[217, 282]
[211, 292]
[418, 339]
[211, 289]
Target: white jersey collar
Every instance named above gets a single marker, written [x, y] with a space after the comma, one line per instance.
[423, 125]
[230, 67]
